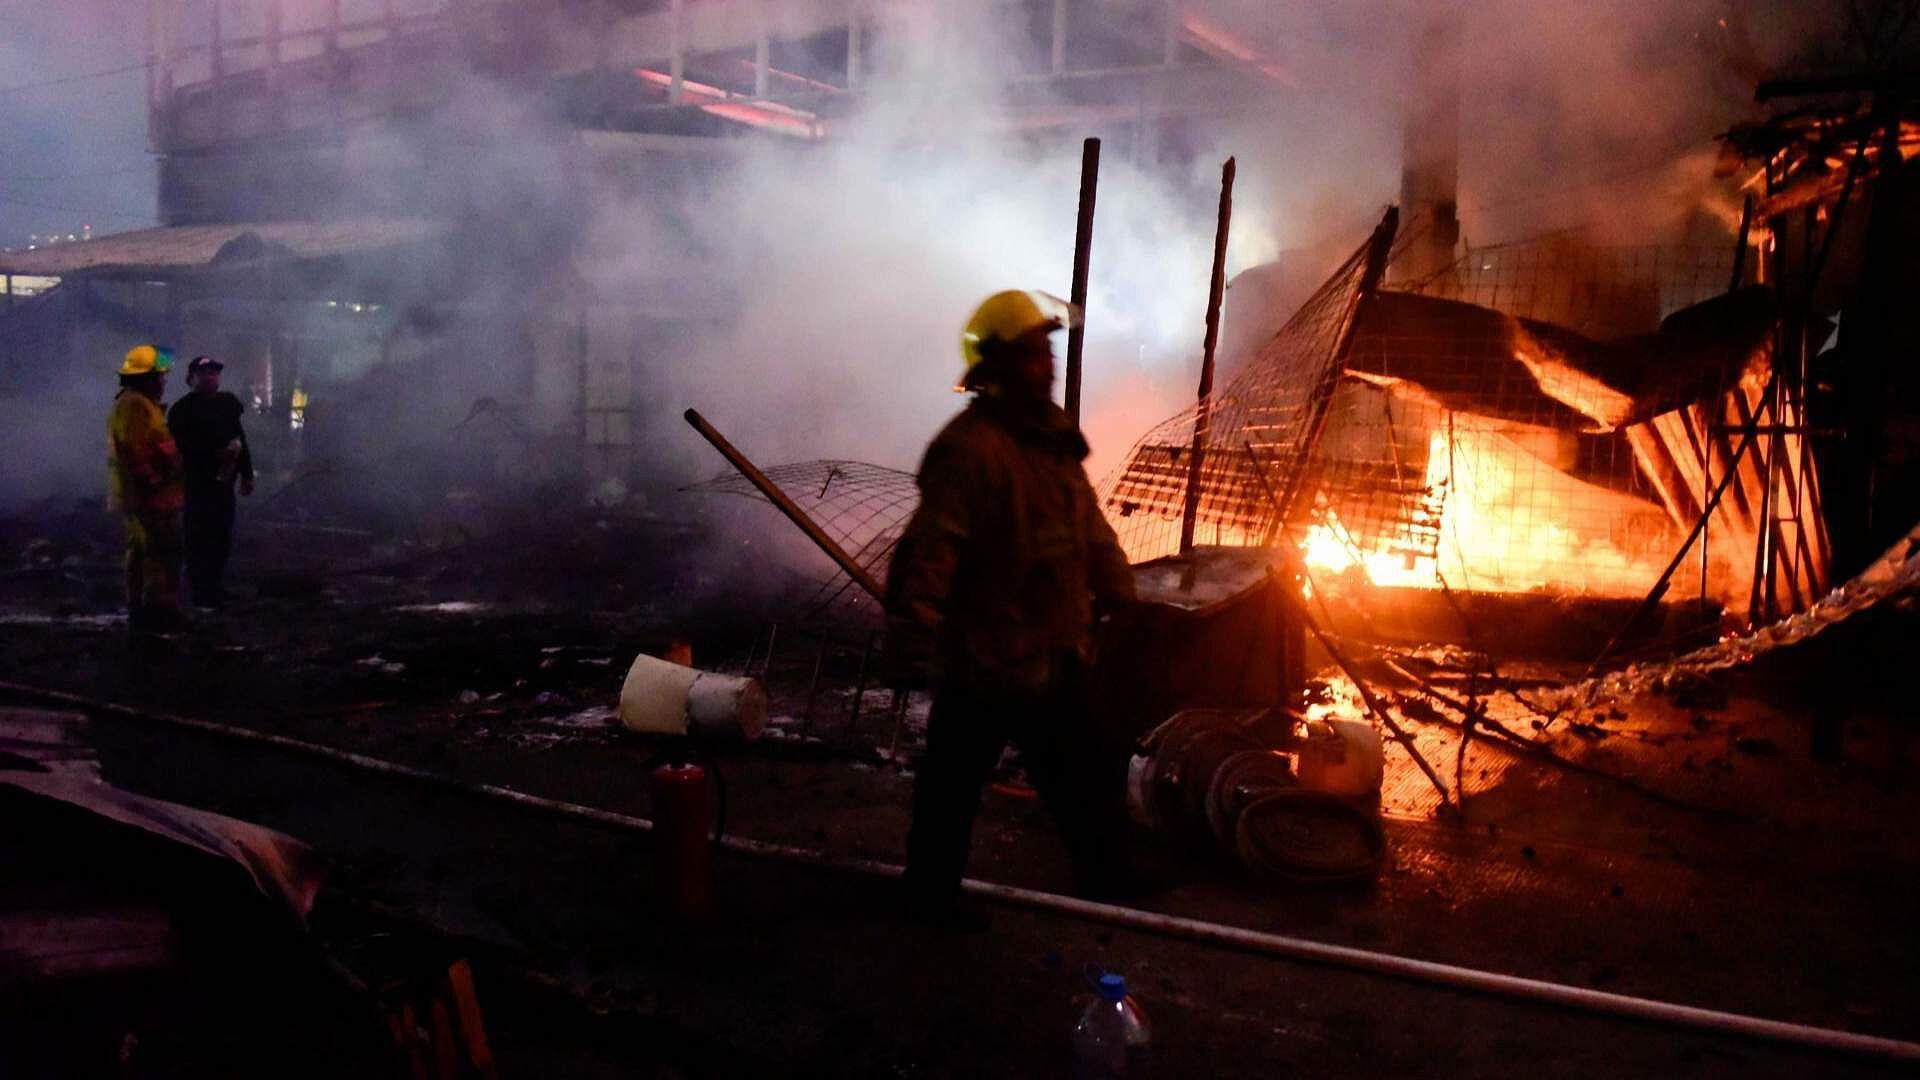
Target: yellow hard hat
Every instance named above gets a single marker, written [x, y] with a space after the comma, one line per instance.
[1011, 314]
[144, 358]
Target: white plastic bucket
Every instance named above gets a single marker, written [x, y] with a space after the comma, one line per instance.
[1352, 766]
[664, 698]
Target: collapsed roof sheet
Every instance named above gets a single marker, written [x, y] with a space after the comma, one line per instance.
[1465, 358]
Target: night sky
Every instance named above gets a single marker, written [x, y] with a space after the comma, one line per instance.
[73, 153]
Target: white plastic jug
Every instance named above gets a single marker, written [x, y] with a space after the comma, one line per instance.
[1350, 762]
[664, 698]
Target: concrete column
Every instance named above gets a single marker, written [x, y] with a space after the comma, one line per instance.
[677, 62]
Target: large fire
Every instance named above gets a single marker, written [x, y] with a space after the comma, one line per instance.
[1509, 523]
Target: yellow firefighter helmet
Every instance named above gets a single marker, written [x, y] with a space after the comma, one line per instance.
[144, 358]
[1011, 314]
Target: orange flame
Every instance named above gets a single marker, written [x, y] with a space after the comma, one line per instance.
[1510, 523]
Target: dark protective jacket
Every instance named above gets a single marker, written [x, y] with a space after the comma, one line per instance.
[143, 465]
[993, 583]
[205, 425]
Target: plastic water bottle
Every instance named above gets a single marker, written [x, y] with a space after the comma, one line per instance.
[1113, 1036]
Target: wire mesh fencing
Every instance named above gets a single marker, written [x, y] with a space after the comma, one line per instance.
[1468, 429]
[863, 507]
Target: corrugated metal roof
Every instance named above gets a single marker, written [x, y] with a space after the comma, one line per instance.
[186, 247]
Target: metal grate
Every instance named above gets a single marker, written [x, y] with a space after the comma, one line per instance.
[863, 507]
[1256, 436]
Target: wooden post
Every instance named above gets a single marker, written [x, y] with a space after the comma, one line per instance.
[1082, 256]
[1202, 419]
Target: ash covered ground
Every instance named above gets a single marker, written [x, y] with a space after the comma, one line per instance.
[1730, 870]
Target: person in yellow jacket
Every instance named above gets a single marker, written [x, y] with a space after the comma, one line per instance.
[145, 483]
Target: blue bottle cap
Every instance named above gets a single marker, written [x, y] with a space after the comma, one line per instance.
[1113, 988]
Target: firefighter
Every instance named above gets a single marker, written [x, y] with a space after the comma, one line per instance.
[144, 483]
[991, 600]
[213, 451]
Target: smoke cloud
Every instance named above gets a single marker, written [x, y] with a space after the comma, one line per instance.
[832, 277]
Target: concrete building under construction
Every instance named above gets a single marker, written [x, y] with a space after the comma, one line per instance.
[354, 192]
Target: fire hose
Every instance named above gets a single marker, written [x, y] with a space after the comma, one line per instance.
[1429, 972]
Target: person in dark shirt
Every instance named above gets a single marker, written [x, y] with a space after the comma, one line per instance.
[214, 456]
[990, 599]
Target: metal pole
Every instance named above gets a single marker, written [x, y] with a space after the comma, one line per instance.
[786, 505]
[1082, 256]
[1203, 418]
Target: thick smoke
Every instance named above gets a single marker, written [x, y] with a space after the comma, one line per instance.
[857, 261]
[830, 278]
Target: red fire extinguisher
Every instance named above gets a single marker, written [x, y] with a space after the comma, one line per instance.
[684, 799]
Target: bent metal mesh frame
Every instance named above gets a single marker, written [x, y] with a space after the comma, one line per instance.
[1474, 474]
[1254, 434]
[863, 507]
